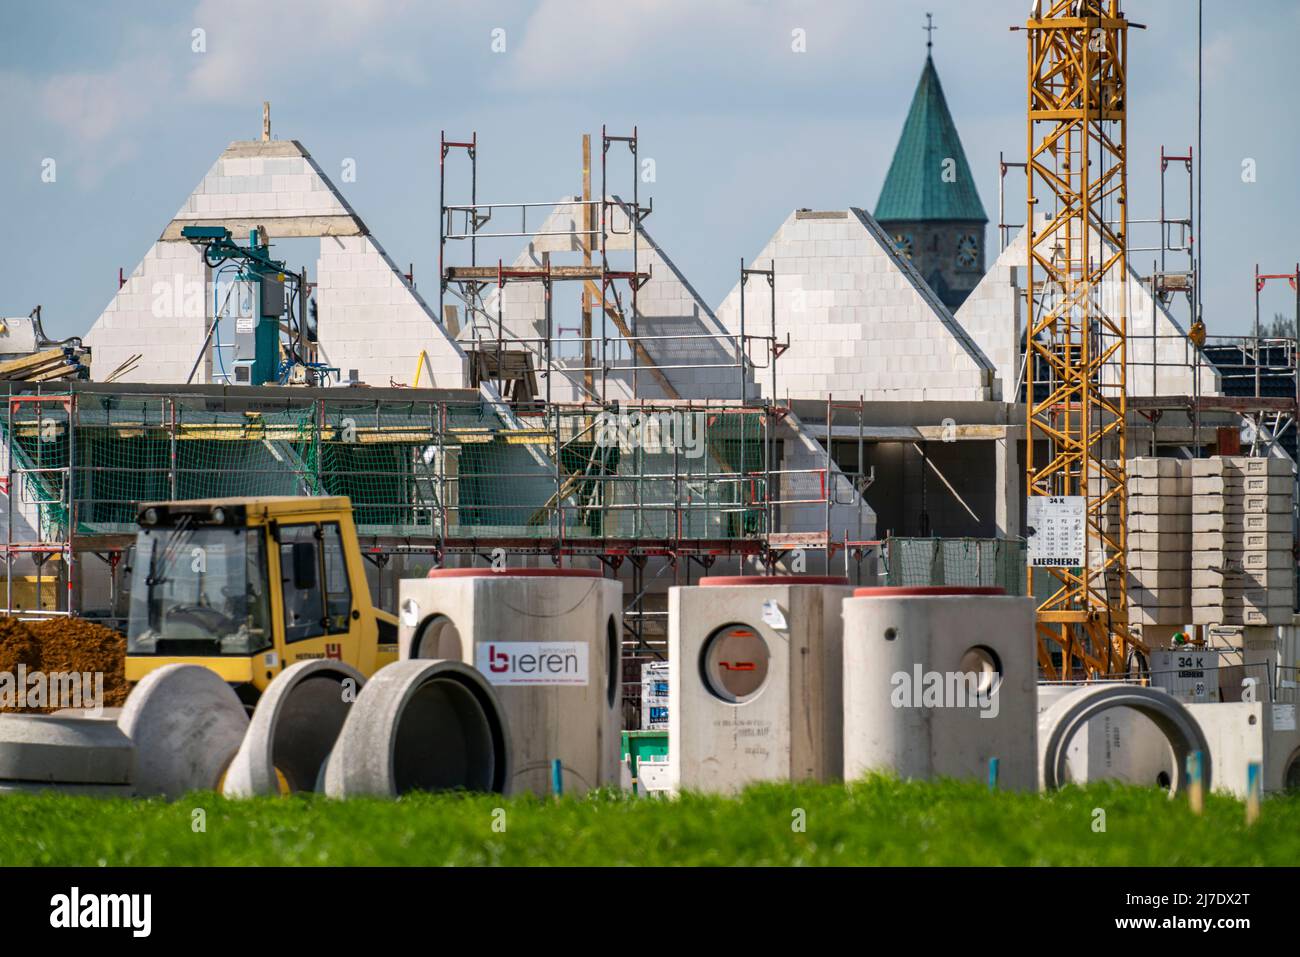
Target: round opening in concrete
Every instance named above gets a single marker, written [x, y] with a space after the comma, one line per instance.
[309, 721]
[421, 725]
[1059, 724]
[734, 663]
[444, 740]
[297, 722]
[613, 662]
[1291, 776]
[984, 664]
[437, 637]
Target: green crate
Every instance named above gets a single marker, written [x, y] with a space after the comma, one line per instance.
[640, 745]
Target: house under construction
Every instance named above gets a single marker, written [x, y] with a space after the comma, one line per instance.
[858, 403]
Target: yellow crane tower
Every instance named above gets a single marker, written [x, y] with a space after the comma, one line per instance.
[1075, 343]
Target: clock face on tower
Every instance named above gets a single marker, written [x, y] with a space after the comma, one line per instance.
[968, 251]
[903, 243]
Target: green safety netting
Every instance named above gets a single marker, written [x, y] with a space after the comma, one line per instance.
[412, 469]
[956, 561]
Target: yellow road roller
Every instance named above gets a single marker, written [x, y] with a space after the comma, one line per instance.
[248, 586]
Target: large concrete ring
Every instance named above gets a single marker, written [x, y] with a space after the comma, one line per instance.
[422, 725]
[1059, 724]
[297, 721]
[186, 724]
[49, 749]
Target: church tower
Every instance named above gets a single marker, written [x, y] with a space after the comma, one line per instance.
[929, 203]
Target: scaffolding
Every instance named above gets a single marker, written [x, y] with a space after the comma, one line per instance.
[616, 343]
[429, 473]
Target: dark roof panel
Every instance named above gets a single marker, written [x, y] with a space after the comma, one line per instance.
[916, 187]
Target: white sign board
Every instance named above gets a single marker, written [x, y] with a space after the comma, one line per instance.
[532, 662]
[1056, 531]
[1283, 717]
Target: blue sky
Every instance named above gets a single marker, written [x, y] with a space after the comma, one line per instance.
[741, 128]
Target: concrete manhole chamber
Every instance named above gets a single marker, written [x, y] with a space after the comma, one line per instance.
[549, 643]
[754, 681]
[938, 681]
[1240, 733]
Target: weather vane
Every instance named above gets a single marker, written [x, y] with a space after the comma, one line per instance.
[929, 29]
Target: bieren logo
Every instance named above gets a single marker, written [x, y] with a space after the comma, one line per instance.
[134, 911]
[533, 662]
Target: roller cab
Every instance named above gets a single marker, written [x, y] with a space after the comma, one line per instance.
[248, 586]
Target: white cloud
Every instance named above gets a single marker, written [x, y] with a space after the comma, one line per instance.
[649, 44]
[253, 45]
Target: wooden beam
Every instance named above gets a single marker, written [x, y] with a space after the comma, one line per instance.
[640, 350]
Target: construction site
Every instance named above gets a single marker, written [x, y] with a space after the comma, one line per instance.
[574, 527]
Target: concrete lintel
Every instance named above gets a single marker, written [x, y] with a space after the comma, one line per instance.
[912, 414]
[267, 148]
[277, 227]
[821, 214]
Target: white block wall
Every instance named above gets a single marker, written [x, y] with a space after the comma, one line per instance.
[263, 181]
[860, 319]
[803, 460]
[26, 516]
[667, 305]
[145, 318]
[993, 314]
[371, 320]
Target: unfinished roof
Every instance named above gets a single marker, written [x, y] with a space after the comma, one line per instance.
[859, 318]
[993, 315]
[684, 352]
[929, 178]
[370, 318]
[274, 184]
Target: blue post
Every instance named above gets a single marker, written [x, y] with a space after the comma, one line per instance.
[557, 778]
[1253, 791]
[1195, 783]
[993, 774]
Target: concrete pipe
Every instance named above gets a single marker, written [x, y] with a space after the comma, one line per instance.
[423, 725]
[1119, 744]
[1072, 712]
[548, 640]
[754, 681]
[939, 681]
[37, 749]
[186, 724]
[297, 721]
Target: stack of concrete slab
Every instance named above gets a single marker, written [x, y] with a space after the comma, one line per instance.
[1243, 570]
[1159, 541]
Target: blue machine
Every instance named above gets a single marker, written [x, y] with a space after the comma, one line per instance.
[257, 300]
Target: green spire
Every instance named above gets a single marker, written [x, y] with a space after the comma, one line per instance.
[920, 185]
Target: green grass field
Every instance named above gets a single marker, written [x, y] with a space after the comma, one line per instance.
[876, 821]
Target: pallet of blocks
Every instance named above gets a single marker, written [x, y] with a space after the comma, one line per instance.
[1159, 541]
[1243, 568]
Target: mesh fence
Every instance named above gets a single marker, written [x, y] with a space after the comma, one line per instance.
[412, 469]
[967, 562]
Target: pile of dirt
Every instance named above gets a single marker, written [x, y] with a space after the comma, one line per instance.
[65, 645]
[18, 646]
